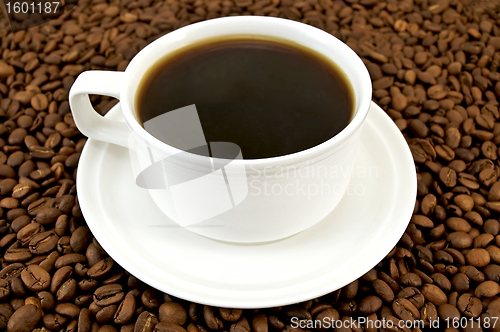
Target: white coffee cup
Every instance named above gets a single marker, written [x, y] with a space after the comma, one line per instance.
[279, 196]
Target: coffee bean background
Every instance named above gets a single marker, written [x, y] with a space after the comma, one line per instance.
[434, 66]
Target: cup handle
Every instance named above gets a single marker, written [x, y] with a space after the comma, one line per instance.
[88, 121]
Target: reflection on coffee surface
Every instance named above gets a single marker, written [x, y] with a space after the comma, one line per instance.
[270, 97]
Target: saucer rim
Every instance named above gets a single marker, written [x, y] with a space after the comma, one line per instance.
[182, 289]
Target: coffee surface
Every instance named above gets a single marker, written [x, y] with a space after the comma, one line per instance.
[268, 97]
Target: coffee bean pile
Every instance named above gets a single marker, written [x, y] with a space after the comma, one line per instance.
[434, 66]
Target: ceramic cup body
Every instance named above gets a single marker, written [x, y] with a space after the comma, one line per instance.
[280, 196]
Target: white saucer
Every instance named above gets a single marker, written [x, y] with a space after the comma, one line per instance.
[349, 242]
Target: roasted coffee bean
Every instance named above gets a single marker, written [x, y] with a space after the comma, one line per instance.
[472, 273]
[8, 240]
[7, 171]
[428, 205]
[445, 152]
[494, 252]
[383, 290]
[448, 176]
[130, 327]
[81, 270]
[35, 278]
[405, 310]
[146, 322]
[28, 232]
[193, 312]
[39, 102]
[460, 240]
[126, 311]
[434, 294]
[410, 279]
[80, 239]
[106, 314]
[17, 287]
[460, 282]
[48, 263]
[24, 319]
[170, 327]
[107, 328]
[47, 300]
[458, 224]
[277, 324]
[6, 186]
[150, 299]
[61, 225]
[87, 284]
[84, 320]
[66, 291]
[54, 321]
[259, 323]
[351, 290]
[6, 312]
[101, 269]
[108, 294]
[487, 289]
[4, 289]
[429, 314]
[21, 190]
[65, 203]
[47, 216]
[72, 326]
[478, 257]
[59, 277]
[69, 259]
[175, 313]
[83, 300]
[13, 255]
[419, 128]
[16, 137]
[68, 310]
[483, 240]
[40, 152]
[11, 271]
[63, 246]
[329, 314]
[212, 321]
[492, 272]
[422, 221]
[43, 243]
[469, 305]
[370, 304]
[299, 312]
[448, 312]
[468, 181]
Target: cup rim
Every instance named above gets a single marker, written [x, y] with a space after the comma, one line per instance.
[136, 66]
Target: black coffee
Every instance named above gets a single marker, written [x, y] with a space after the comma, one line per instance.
[269, 97]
